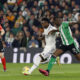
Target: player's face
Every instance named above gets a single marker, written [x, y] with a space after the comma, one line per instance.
[58, 21]
[45, 24]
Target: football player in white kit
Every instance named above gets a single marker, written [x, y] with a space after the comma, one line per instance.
[50, 39]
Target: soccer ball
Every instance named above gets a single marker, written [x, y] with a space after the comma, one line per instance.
[25, 69]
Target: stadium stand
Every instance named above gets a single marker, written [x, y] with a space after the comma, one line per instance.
[20, 18]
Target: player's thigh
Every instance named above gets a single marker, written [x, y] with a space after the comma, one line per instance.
[58, 52]
[77, 56]
[61, 49]
[1, 54]
[1, 51]
[46, 53]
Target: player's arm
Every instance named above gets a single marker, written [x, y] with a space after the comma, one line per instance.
[41, 37]
[73, 22]
[53, 31]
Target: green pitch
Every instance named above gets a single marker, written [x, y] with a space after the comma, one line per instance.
[63, 72]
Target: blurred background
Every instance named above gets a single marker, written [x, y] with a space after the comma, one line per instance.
[21, 20]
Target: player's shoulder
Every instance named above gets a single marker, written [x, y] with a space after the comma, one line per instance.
[51, 27]
[65, 23]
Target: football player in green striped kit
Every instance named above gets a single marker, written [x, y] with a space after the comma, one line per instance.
[68, 43]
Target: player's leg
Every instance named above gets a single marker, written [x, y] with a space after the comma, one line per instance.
[41, 57]
[2, 56]
[75, 50]
[34, 66]
[3, 60]
[78, 56]
[37, 61]
[51, 62]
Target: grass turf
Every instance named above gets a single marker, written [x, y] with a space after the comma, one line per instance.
[63, 72]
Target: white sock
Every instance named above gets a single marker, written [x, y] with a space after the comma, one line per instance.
[32, 68]
[36, 64]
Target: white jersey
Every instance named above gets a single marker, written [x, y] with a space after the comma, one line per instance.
[50, 39]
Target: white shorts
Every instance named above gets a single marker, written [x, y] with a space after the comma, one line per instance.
[47, 51]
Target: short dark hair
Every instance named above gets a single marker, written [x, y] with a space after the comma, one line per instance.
[46, 19]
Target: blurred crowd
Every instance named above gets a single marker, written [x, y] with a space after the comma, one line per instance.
[21, 19]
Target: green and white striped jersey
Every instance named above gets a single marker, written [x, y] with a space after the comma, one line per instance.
[66, 34]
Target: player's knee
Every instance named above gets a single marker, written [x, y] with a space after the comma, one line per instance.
[42, 58]
[78, 59]
[0, 55]
[78, 56]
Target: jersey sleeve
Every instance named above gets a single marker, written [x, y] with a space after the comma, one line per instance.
[65, 24]
[52, 28]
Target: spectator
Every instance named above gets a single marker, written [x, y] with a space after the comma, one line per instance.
[23, 6]
[25, 15]
[10, 40]
[28, 38]
[33, 43]
[16, 28]
[22, 39]
[25, 29]
[16, 42]
[41, 3]
[11, 4]
[15, 8]
[20, 20]
[11, 19]
[19, 2]
[7, 33]
[5, 8]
